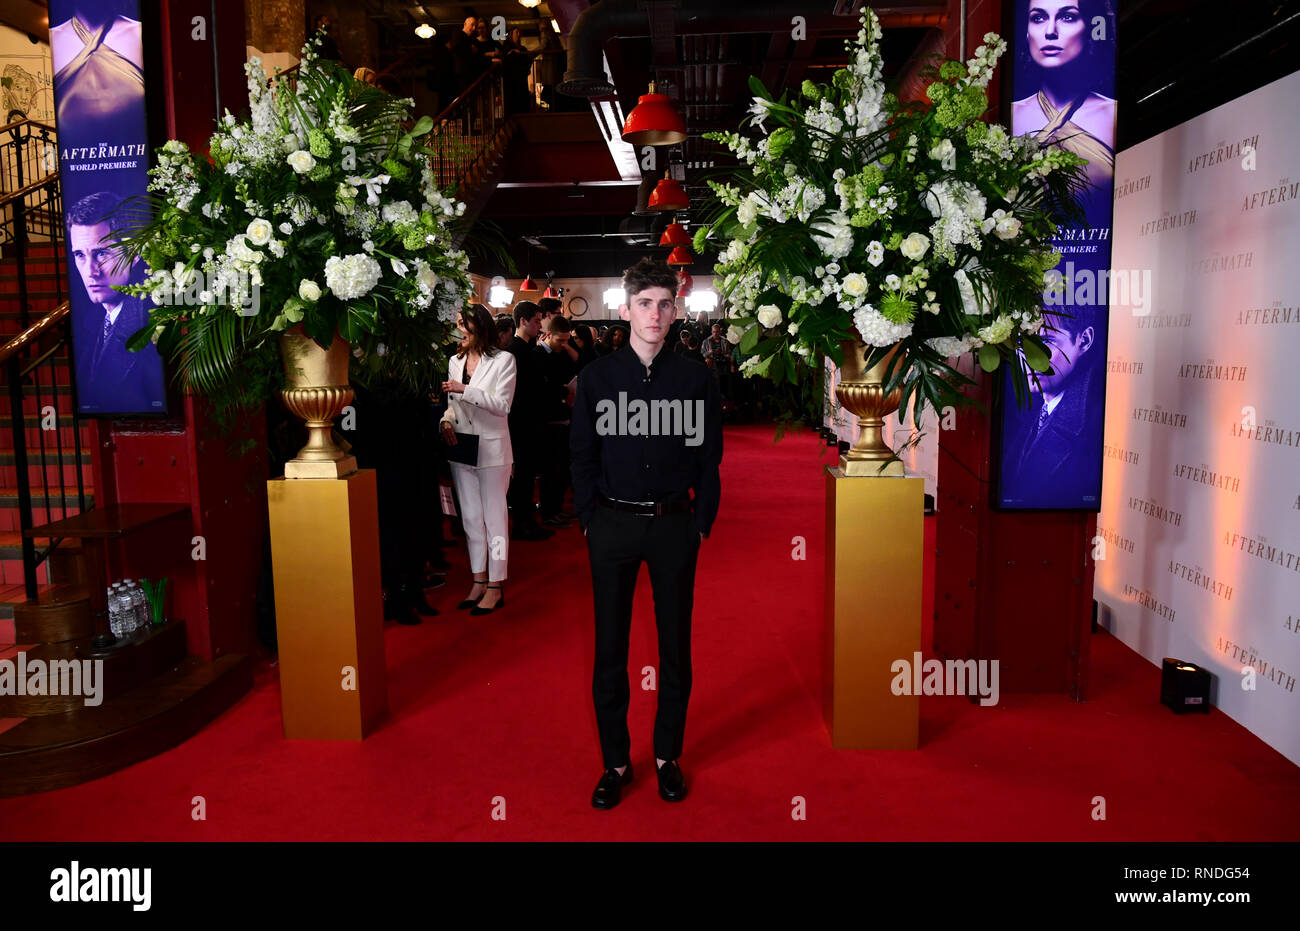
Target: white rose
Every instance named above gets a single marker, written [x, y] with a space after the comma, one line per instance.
[309, 290]
[427, 278]
[1008, 227]
[855, 285]
[946, 154]
[769, 315]
[734, 334]
[301, 161]
[793, 329]
[259, 232]
[914, 246]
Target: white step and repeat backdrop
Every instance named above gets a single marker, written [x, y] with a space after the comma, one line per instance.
[1201, 497]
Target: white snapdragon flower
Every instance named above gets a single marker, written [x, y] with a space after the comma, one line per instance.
[301, 161]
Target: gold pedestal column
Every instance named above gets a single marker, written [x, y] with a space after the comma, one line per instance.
[328, 605]
[874, 539]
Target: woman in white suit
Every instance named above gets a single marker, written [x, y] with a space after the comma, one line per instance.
[480, 389]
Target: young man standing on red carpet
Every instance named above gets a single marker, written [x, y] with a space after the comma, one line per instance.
[646, 432]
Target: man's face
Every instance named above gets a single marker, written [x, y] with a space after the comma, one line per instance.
[532, 326]
[1067, 350]
[717, 331]
[97, 260]
[650, 313]
[471, 25]
[555, 339]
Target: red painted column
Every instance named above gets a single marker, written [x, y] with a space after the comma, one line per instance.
[185, 458]
[1011, 586]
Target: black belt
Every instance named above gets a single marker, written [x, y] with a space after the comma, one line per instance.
[649, 508]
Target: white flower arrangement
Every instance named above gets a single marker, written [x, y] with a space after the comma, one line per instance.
[327, 180]
[941, 222]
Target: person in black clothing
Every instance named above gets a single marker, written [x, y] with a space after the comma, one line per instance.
[518, 63]
[467, 63]
[526, 423]
[692, 348]
[559, 361]
[385, 417]
[646, 432]
[585, 343]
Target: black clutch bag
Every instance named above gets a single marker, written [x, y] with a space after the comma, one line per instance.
[465, 451]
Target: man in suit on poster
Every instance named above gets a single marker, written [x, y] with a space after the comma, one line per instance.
[1050, 463]
[110, 378]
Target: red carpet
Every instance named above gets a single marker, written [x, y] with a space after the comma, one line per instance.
[500, 706]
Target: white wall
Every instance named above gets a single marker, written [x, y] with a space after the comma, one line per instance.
[1201, 491]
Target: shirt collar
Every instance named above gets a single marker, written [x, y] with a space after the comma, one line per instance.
[632, 360]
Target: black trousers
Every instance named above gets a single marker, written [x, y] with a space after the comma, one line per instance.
[526, 444]
[617, 543]
[555, 468]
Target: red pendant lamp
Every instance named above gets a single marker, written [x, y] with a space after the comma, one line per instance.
[675, 235]
[680, 256]
[654, 121]
[527, 285]
[686, 283]
[668, 195]
[551, 292]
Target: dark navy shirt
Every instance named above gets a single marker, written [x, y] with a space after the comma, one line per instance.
[639, 435]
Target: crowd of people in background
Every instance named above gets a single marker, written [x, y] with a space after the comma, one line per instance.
[517, 404]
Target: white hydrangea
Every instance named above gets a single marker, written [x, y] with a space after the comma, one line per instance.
[400, 213]
[876, 330]
[352, 276]
[949, 346]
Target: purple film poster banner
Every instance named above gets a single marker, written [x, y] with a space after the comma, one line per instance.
[99, 104]
[1049, 454]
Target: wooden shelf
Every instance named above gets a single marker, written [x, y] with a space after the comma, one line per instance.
[112, 522]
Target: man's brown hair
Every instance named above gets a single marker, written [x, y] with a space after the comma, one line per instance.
[646, 274]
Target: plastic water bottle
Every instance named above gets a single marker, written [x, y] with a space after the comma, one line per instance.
[129, 619]
[114, 611]
[143, 601]
[133, 593]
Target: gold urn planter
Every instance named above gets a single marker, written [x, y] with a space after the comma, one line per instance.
[861, 391]
[318, 390]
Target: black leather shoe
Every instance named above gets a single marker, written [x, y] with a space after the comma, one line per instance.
[415, 598]
[399, 609]
[672, 786]
[478, 610]
[609, 791]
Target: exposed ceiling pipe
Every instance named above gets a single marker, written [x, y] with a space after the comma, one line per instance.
[628, 19]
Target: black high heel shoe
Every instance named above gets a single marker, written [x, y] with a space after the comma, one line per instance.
[470, 602]
[477, 611]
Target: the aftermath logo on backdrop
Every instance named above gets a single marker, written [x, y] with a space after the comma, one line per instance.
[99, 100]
[1063, 79]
